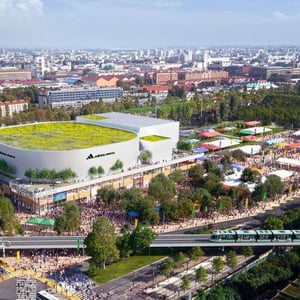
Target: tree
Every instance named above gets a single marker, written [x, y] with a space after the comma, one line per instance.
[247, 251]
[218, 264]
[106, 195]
[250, 175]
[180, 258]
[145, 156]
[166, 267]
[273, 186]
[196, 253]
[238, 154]
[31, 173]
[161, 188]
[8, 221]
[177, 176]
[273, 223]
[195, 174]
[100, 170]
[201, 274]
[123, 244]
[60, 224]
[141, 238]
[118, 165]
[101, 242]
[93, 171]
[231, 259]
[72, 216]
[147, 212]
[185, 283]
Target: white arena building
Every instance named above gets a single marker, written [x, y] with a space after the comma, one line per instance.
[81, 160]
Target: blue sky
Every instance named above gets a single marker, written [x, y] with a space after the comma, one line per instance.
[148, 23]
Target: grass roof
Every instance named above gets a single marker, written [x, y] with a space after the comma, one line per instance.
[154, 138]
[93, 117]
[61, 136]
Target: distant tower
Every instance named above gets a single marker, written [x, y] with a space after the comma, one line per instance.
[38, 67]
[205, 59]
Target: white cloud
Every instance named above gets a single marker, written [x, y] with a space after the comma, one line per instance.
[15, 7]
[168, 3]
[280, 15]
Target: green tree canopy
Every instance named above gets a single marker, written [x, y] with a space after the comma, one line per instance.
[201, 274]
[231, 259]
[273, 223]
[141, 238]
[218, 264]
[8, 221]
[101, 242]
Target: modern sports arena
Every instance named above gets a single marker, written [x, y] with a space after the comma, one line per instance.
[90, 141]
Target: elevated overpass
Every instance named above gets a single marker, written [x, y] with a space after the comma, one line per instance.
[161, 241]
[42, 242]
[202, 240]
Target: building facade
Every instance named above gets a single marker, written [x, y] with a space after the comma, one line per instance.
[8, 108]
[78, 97]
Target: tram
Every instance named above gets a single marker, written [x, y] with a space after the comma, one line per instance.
[255, 236]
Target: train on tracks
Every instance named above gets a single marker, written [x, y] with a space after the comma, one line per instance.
[255, 236]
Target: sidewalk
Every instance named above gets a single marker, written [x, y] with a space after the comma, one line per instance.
[197, 222]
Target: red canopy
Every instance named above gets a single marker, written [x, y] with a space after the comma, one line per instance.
[209, 134]
[252, 123]
[293, 146]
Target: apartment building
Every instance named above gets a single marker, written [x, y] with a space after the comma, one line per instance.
[9, 107]
[78, 97]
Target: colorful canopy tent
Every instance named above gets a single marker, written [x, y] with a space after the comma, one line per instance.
[283, 174]
[293, 146]
[202, 158]
[48, 222]
[249, 138]
[237, 166]
[228, 128]
[186, 133]
[254, 130]
[288, 161]
[252, 123]
[41, 221]
[210, 146]
[209, 134]
[191, 141]
[200, 150]
[250, 149]
[246, 132]
[133, 213]
[274, 141]
[35, 221]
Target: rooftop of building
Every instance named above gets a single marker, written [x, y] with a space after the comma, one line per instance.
[123, 119]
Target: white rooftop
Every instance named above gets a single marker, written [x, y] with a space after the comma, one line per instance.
[131, 120]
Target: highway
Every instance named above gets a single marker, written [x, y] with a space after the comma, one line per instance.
[202, 240]
[42, 242]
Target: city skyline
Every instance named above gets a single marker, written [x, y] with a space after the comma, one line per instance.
[145, 24]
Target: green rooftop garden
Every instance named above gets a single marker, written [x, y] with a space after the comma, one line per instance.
[61, 136]
[93, 117]
[154, 138]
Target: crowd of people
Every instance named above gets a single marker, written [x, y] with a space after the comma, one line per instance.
[55, 264]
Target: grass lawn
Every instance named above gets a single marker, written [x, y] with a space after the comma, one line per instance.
[124, 267]
[154, 138]
[61, 136]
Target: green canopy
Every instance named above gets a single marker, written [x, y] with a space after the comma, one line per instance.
[40, 221]
[246, 132]
[47, 222]
[35, 220]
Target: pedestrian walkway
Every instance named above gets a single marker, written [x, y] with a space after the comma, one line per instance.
[171, 287]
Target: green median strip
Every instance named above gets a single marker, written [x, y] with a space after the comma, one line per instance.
[123, 267]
